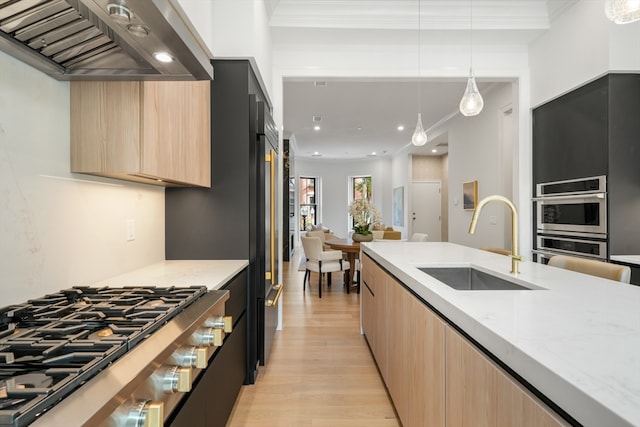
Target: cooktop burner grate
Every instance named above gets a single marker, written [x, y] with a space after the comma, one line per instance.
[50, 346]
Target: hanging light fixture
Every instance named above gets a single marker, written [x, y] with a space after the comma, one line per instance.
[419, 135]
[622, 11]
[471, 103]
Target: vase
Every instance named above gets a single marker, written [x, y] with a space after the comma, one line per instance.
[357, 237]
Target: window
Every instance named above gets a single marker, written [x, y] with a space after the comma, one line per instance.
[308, 205]
[360, 189]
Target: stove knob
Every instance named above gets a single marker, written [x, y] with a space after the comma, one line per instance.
[210, 336]
[224, 322]
[177, 379]
[194, 356]
[147, 414]
[202, 357]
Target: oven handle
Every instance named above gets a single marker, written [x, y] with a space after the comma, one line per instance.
[572, 197]
[273, 302]
[539, 252]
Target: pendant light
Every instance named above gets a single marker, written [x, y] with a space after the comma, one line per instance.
[471, 103]
[419, 137]
[622, 11]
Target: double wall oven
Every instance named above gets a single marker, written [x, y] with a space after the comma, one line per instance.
[571, 219]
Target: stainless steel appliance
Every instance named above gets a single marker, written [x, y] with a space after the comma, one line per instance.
[104, 39]
[571, 218]
[578, 205]
[106, 356]
[582, 245]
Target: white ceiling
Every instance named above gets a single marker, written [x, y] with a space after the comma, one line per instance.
[361, 115]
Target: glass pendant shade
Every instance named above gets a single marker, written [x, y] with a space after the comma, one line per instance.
[622, 11]
[471, 103]
[419, 135]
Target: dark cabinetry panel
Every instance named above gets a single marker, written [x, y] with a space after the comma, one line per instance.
[624, 166]
[595, 130]
[570, 135]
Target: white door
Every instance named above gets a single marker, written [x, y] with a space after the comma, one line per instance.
[426, 209]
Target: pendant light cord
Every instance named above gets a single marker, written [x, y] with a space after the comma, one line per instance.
[471, 38]
[419, 62]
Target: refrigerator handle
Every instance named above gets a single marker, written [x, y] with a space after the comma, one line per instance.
[271, 159]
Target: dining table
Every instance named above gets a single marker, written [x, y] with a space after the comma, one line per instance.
[351, 249]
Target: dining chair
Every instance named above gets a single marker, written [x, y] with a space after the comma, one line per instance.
[321, 261]
[620, 273]
[320, 234]
[419, 237]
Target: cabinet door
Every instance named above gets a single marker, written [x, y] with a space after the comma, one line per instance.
[105, 127]
[367, 313]
[426, 359]
[480, 393]
[177, 141]
[398, 321]
[570, 135]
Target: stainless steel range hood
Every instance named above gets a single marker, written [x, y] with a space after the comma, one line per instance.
[104, 39]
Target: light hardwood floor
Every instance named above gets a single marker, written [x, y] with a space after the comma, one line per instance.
[320, 372]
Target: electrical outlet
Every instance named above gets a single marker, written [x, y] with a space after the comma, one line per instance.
[131, 230]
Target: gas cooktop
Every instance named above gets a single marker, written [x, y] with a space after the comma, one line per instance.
[51, 345]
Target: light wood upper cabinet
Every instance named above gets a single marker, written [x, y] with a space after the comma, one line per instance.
[156, 132]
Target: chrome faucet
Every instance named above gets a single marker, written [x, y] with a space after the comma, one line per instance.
[515, 258]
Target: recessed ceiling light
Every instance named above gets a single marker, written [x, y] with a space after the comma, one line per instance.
[163, 56]
[400, 128]
[434, 151]
[373, 153]
[316, 127]
[316, 154]
[359, 128]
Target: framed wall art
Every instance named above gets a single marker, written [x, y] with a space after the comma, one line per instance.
[469, 195]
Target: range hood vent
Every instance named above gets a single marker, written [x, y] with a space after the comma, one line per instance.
[104, 39]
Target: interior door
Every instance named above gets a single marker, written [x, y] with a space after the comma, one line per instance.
[426, 209]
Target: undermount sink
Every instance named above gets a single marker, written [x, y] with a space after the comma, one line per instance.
[470, 279]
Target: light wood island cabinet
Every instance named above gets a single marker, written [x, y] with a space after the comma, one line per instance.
[434, 375]
[374, 303]
[155, 132]
[481, 393]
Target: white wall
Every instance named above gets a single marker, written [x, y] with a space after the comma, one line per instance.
[581, 45]
[59, 229]
[474, 154]
[334, 188]
[401, 177]
[234, 29]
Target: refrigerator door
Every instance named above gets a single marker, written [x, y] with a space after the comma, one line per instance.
[272, 289]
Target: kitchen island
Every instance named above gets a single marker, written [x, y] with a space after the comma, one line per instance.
[575, 341]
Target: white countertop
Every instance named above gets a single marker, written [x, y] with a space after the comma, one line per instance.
[210, 273]
[629, 259]
[577, 341]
